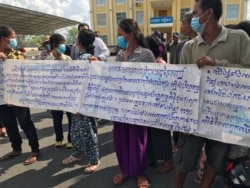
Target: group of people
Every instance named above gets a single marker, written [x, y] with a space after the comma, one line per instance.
[207, 43]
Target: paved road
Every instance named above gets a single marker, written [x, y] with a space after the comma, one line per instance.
[49, 172]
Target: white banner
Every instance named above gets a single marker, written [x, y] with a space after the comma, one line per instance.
[225, 105]
[212, 103]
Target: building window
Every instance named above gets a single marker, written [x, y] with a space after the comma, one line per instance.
[183, 12]
[232, 11]
[139, 17]
[120, 16]
[139, 1]
[120, 1]
[101, 20]
[104, 38]
[100, 2]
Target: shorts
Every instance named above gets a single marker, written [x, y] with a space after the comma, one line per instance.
[189, 150]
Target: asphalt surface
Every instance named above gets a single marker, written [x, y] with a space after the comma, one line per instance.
[48, 171]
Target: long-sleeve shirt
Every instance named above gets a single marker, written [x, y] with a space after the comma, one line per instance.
[230, 49]
[139, 55]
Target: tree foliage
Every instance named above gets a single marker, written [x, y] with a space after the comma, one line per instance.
[71, 36]
[36, 41]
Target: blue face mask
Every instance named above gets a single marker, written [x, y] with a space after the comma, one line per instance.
[121, 42]
[61, 48]
[196, 25]
[13, 43]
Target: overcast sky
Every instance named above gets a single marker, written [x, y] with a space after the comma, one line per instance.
[73, 9]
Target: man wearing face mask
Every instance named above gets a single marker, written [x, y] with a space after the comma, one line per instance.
[58, 48]
[9, 114]
[214, 46]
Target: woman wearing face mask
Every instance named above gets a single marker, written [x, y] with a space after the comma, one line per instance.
[84, 139]
[130, 141]
[58, 47]
[9, 114]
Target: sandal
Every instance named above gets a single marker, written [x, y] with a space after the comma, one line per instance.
[71, 159]
[164, 167]
[10, 155]
[4, 135]
[91, 168]
[142, 182]
[32, 158]
[119, 179]
[3, 132]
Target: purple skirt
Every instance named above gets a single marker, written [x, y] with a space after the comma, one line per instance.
[130, 142]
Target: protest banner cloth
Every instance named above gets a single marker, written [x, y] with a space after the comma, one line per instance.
[211, 102]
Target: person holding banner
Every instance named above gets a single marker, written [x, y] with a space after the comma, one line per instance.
[130, 141]
[58, 47]
[215, 45]
[9, 114]
[84, 138]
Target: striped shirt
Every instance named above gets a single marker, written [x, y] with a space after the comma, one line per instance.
[140, 54]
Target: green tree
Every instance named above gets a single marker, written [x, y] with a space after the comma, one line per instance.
[29, 40]
[71, 35]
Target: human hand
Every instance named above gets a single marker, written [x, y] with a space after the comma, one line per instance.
[78, 114]
[93, 58]
[3, 56]
[205, 60]
[160, 60]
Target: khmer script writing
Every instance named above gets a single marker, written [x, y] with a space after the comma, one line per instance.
[211, 102]
[225, 109]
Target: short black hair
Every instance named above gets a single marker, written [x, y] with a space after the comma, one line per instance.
[82, 24]
[216, 5]
[55, 40]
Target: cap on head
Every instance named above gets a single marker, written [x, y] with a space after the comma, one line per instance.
[46, 38]
[158, 34]
[176, 34]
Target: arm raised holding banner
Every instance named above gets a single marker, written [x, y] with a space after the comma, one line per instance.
[9, 114]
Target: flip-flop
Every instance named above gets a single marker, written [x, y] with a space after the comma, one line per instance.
[119, 179]
[32, 158]
[142, 182]
[4, 134]
[91, 168]
[71, 159]
[10, 155]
